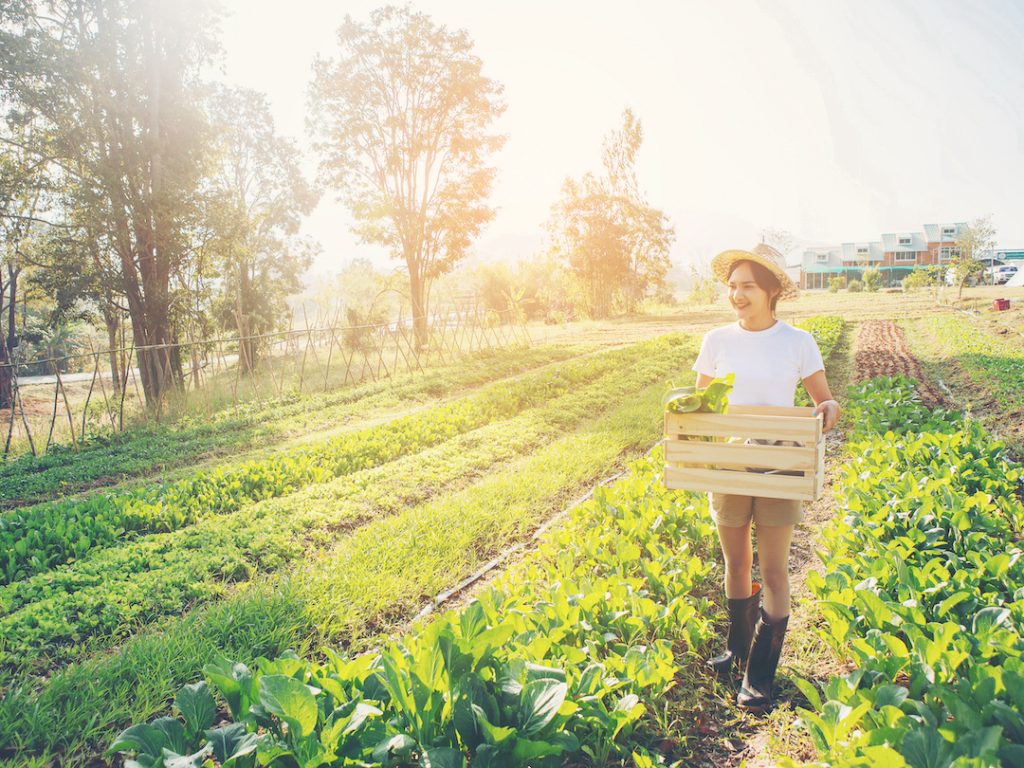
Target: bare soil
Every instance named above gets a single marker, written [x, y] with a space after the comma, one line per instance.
[881, 351]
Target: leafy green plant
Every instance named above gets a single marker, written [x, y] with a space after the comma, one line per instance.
[555, 660]
[710, 399]
[924, 591]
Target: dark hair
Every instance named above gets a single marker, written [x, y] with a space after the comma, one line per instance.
[766, 280]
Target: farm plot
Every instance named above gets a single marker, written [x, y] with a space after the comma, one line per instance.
[984, 369]
[362, 548]
[563, 658]
[110, 459]
[56, 615]
[44, 536]
[366, 577]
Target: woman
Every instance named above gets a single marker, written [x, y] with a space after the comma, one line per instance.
[769, 357]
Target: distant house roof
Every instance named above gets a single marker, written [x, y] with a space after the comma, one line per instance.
[870, 249]
[934, 233]
[891, 242]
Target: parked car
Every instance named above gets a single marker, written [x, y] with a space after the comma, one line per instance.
[1002, 275]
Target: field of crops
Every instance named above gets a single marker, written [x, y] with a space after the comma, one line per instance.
[257, 611]
[983, 365]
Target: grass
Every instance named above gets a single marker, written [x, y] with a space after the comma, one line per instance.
[115, 588]
[982, 371]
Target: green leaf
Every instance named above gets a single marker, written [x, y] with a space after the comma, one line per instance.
[926, 749]
[980, 742]
[395, 749]
[528, 749]
[539, 705]
[890, 695]
[987, 618]
[809, 690]
[143, 738]
[231, 742]
[442, 757]
[177, 740]
[494, 734]
[291, 700]
[174, 760]
[233, 681]
[196, 704]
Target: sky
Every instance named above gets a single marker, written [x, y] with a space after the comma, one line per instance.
[837, 121]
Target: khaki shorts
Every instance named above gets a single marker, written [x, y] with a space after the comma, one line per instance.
[733, 511]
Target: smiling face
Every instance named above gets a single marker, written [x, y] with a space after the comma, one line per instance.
[749, 300]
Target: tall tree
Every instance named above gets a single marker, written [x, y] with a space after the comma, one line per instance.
[256, 199]
[24, 185]
[615, 242]
[403, 123]
[782, 240]
[114, 83]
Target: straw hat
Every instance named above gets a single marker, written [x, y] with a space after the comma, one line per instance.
[762, 254]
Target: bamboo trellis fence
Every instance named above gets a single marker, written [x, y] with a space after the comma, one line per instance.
[216, 374]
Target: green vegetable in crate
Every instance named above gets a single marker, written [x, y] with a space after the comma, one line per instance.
[712, 399]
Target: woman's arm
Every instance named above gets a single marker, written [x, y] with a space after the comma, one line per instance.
[817, 388]
[703, 380]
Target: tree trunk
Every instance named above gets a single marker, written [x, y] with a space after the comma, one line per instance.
[7, 344]
[112, 321]
[417, 295]
[246, 344]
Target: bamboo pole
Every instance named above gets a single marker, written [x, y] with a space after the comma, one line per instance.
[103, 389]
[88, 397]
[67, 405]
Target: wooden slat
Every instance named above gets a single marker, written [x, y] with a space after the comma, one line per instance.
[819, 475]
[803, 430]
[745, 483]
[771, 410]
[739, 455]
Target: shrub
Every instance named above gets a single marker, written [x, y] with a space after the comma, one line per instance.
[855, 286]
[704, 288]
[837, 282]
[872, 279]
[920, 278]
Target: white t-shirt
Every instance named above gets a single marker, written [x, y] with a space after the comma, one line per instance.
[768, 364]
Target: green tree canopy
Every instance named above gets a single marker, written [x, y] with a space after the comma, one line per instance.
[403, 121]
[255, 199]
[614, 241]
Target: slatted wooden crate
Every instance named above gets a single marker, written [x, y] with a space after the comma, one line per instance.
[731, 464]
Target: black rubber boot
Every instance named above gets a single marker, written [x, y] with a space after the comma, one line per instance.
[756, 692]
[743, 612]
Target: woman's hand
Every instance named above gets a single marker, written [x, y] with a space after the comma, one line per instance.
[831, 411]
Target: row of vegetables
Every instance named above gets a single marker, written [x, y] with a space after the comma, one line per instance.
[106, 459]
[923, 589]
[54, 616]
[35, 539]
[557, 659]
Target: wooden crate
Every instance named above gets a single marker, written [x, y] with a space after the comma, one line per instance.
[728, 465]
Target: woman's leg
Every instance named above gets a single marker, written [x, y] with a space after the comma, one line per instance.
[739, 559]
[773, 560]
